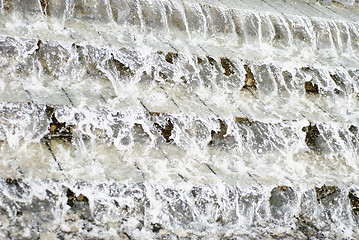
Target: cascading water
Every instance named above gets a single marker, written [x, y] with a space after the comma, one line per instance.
[179, 119]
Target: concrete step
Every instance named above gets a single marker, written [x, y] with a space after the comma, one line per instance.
[292, 32]
[56, 73]
[136, 210]
[74, 142]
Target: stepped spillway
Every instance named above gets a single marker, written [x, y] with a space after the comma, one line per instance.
[179, 119]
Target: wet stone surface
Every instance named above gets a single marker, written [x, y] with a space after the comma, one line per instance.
[326, 193]
[282, 201]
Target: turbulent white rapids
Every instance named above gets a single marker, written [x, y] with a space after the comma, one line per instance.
[179, 119]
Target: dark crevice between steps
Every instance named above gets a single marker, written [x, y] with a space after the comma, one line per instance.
[325, 191]
[170, 57]
[58, 129]
[211, 60]
[354, 202]
[283, 188]
[44, 7]
[39, 43]
[353, 129]
[312, 134]
[41, 56]
[250, 82]
[17, 186]
[244, 121]
[79, 204]
[199, 60]
[119, 66]
[164, 128]
[156, 227]
[339, 82]
[218, 136]
[311, 88]
[228, 66]
[8, 5]
[13, 181]
[162, 75]
[71, 198]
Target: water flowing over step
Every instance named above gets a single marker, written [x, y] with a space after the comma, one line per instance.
[296, 33]
[180, 119]
[156, 211]
[73, 142]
